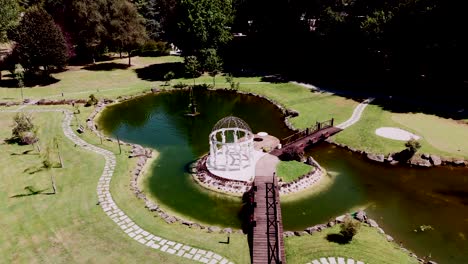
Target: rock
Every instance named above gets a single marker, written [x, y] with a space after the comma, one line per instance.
[413, 255]
[227, 230]
[170, 219]
[372, 223]
[420, 162]
[361, 216]
[155, 90]
[431, 262]
[331, 223]
[288, 234]
[380, 230]
[311, 230]
[459, 162]
[376, 157]
[293, 113]
[394, 162]
[340, 219]
[297, 233]
[425, 156]
[389, 238]
[435, 160]
[213, 229]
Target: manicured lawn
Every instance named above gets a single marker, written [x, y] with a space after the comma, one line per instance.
[368, 246]
[69, 226]
[79, 82]
[439, 136]
[288, 171]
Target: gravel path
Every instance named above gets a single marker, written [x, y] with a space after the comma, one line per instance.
[123, 221]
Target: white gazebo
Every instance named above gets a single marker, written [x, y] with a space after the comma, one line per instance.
[231, 145]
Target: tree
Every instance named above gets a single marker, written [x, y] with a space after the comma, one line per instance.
[48, 165]
[212, 63]
[412, 146]
[127, 27]
[192, 67]
[203, 24]
[168, 77]
[39, 42]
[349, 228]
[9, 15]
[157, 15]
[88, 24]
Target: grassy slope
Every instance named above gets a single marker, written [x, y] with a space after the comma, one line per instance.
[69, 226]
[368, 246]
[291, 170]
[439, 136]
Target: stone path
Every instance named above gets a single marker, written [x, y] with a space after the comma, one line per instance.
[333, 260]
[117, 215]
[356, 114]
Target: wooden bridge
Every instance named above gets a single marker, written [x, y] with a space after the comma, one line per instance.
[304, 138]
[268, 243]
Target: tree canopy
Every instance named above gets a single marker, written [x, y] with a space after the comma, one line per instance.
[9, 15]
[39, 41]
[203, 24]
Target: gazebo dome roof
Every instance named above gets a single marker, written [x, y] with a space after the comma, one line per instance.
[231, 122]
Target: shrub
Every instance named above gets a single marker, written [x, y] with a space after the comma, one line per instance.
[349, 228]
[168, 77]
[91, 101]
[292, 153]
[180, 85]
[412, 145]
[23, 129]
[154, 48]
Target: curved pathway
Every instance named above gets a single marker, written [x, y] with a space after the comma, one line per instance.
[116, 214]
[333, 260]
[356, 114]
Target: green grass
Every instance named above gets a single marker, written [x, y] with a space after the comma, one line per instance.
[69, 227]
[288, 171]
[368, 246]
[78, 82]
[439, 136]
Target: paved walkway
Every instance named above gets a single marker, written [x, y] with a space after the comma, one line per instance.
[116, 214]
[356, 114]
[333, 260]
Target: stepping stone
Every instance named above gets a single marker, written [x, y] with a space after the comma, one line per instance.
[350, 261]
[360, 262]
[315, 261]
[332, 260]
[323, 261]
[341, 261]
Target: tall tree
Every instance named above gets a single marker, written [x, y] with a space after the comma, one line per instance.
[203, 24]
[9, 15]
[127, 27]
[213, 64]
[88, 22]
[39, 41]
[157, 15]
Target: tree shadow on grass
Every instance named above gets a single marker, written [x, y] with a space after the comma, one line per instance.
[156, 72]
[108, 66]
[338, 238]
[30, 192]
[8, 83]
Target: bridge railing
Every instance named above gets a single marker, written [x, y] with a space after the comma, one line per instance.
[274, 250]
[310, 130]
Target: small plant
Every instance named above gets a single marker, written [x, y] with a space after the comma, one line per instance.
[168, 77]
[232, 84]
[180, 85]
[91, 101]
[412, 145]
[23, 129]
[349, 228]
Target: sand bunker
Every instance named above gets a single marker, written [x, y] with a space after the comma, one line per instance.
[395, 133]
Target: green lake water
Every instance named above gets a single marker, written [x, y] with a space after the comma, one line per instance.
[400, 199]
